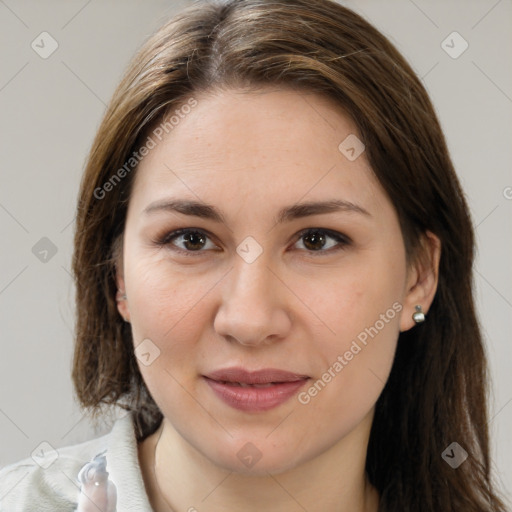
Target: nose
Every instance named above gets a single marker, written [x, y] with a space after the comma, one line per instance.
[253, 309]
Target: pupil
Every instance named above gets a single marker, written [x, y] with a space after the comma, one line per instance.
[194, 239]
[311, 239]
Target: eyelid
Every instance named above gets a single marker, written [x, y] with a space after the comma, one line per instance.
[167, 237]
[341, 239]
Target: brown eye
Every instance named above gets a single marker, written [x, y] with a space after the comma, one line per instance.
[314, 240]
[322, 240]
[194, 240]
[188, 240]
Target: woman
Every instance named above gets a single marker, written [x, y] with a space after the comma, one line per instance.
[273, 261]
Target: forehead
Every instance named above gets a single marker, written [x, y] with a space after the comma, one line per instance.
[235, 145]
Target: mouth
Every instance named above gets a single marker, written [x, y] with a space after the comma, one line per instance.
[254, 391]
[259, 378]
[245, 385]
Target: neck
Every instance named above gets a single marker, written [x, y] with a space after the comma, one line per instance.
[178, 477]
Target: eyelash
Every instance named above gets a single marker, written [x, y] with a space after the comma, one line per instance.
[341, 239]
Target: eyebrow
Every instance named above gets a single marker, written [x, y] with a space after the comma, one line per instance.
[289, 213]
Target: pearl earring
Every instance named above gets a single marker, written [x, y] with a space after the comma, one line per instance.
[418, 316]
[121, 296]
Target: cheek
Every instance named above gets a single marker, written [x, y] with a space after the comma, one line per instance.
[171, 310]
[353, 299]
[363, 309]
[351, 375]
[168, 307]
[153, 288]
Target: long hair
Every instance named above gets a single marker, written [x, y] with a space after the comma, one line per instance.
[437, 391]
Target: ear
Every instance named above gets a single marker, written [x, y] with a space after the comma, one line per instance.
[422, 279]
[121, 301]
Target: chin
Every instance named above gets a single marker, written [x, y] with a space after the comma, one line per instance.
[256, 456]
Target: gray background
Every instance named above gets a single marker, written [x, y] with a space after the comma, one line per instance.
[52, 107]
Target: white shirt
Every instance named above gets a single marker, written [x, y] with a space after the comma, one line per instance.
[102, 474]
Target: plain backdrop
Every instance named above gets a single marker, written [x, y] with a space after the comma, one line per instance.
[50, 108]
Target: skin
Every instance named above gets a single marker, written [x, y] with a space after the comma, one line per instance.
[250, 154]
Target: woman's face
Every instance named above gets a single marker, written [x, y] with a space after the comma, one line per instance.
[273, 277]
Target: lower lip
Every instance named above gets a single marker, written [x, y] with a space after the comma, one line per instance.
[252, 399]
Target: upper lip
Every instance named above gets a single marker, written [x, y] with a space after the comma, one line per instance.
[264, 376]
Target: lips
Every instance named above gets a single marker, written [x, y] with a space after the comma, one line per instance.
[256, 378]
[254, 391]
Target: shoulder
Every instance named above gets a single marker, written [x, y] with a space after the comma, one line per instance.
[48, 480]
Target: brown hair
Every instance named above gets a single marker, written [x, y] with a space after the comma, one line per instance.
[437, 390]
